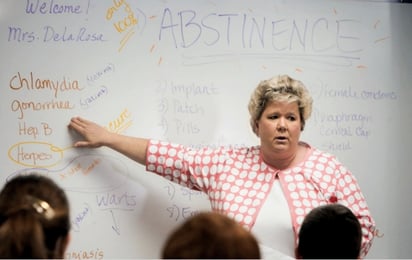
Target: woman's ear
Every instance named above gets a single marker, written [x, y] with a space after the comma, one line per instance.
[257, 128]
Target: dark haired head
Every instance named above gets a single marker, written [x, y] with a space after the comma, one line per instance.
[210, 235]
[34, 218]
[330, 231]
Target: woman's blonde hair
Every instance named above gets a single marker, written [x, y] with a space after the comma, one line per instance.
[281, 88]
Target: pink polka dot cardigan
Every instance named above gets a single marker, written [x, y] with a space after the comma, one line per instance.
[237, 182]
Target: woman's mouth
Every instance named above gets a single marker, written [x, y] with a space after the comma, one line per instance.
[281, 138]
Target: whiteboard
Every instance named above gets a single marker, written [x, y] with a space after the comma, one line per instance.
[183, 71]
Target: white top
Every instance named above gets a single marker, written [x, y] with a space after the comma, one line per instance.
[273, 226]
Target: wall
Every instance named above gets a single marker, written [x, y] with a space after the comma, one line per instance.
[184, 72]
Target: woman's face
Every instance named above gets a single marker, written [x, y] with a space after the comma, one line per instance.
[279, 127]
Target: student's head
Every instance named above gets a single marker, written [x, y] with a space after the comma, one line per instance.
[211, 235]
[34, 218]
[330, 231]
[281, 88]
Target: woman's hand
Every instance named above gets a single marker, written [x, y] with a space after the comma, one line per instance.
[94, 135]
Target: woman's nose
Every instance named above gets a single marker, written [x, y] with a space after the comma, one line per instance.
[281, 125]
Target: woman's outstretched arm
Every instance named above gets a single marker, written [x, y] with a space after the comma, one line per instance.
[95, 136]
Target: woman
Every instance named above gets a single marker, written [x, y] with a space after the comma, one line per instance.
[268, 188]
[34, 218]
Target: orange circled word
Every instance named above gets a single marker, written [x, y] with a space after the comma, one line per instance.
[35, 154]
